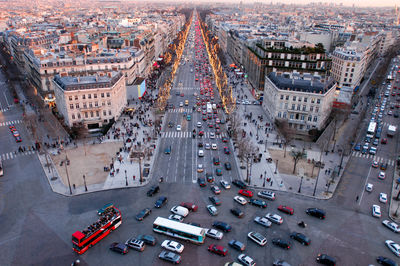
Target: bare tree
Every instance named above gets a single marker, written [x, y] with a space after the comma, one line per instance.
[283, 127]
[235, 122]
[297, 156]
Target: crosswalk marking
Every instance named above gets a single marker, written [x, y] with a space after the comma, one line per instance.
[373, 157]
[9, 123]
[12, 155]
[187, 134]
[185, 88]
[180, 110]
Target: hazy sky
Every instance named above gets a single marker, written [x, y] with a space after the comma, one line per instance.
[345, 2]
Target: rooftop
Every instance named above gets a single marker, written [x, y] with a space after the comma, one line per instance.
[70, 83]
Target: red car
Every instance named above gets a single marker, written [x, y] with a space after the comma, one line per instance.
[219, 250]
[286, 209]
[246, 193]
[384, 141]
[224, 139]
[190, 206]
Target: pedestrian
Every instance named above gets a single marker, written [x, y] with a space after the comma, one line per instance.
[357, 198]
[261, 176]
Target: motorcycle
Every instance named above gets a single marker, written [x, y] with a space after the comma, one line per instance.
[302, 224]
[161, 179]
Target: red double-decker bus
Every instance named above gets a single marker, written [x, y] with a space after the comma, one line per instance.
[108, 221]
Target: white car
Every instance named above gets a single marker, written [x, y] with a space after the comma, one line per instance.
[246, 260]
[266, 194]
[198, 124]
[173, 246]
[201, 153]
[214, 146]
[178, 128]
[212, 135]
[394, 247]
[240, 200]
[200, 168]
[275, 218]
[258, 238]
[214, 234]
[391, 225]
[225, 184]
[369, 187]
[176, 217]
[207, 146]
[181, 104]
[263, 221]
[376, 211]
[383, 197]
[381, 175]
[212, 210]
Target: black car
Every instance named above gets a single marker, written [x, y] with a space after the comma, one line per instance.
[326, 260]
[142, 214]
[386, 261]
[119, 248]
[281, 243]
[161, 201]
[216, 161]
[258, 203]
[201, 181]
[223, 226]
[239, 184]
[209, 177]
[147, 239]
[316, 213]
[228, 166]
[237, 245]
[215, 200]
[153, 190]
[237, 212]
[170, 256]
[200, 144]
[280, 263]
[301, 238]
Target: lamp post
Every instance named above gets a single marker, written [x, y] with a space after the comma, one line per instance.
[301, 182]
[276, 166]
[66, 171]
[126, 179]
[84, 182]
[265, 148]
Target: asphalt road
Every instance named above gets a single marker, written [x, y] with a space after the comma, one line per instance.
[36, 225]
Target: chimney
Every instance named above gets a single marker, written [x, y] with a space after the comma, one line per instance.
[109, 74]
[97, 78]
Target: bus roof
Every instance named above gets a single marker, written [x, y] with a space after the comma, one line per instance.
[179, 226]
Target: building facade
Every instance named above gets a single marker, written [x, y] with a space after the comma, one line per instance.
[302, 100]
[91, 100]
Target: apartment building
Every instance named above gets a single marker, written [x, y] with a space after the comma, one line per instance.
[93, 100]
[303, 100]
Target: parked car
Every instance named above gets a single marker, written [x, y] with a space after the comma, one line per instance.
[201, 181]
[240, 200]
[258, 238]
[263, 221]
[383, 197]
[246, 193]
[228, 166]
[394, 247]
[391, 225]
[212, 210]
[237, 245]
[135, 244]
[170, 257]
[215, 200]
[376, 211]
[300, 238]
[215, 189]
[210, 178]
[182, 211]
[237, 212]
[119, 248]
[316, 213]
[176, 217]
[258, 203]
[275, 218]
[225, 184]
[286, 209]
[160, 202]
[147, 239]
[143, 214]
[172, 246]
[246, 260]
[369, 187]
[281, 243]
[217, 249]
[386, 261]
[214, 234]
[280, 262]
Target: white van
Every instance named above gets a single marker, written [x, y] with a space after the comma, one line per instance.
[201, 153]
[214, 106]
[182, 211]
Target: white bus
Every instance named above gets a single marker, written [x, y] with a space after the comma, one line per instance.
[1, 168]
[371, 129]
[183, 231]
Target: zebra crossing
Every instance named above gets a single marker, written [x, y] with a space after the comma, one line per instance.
[181, 110]
[9, 123]
[187, 134]
[13, 155]
[373, 157]
[185, 88]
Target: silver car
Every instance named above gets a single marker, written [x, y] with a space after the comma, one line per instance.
[212, 210]
[263, 221]
[214, 233]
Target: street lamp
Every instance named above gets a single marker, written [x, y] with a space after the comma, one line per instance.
[276, 166]
[66, 171]
[301, 182]
[126, 179]
[84, 182]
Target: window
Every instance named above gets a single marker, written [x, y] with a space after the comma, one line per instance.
[318, 101]
[281, 96]
[103, 103]
[90, 105]
[305, 99]
[310, 118]
[84, 105]
[108, 94]
[291, 116]
[345, 80]
[299, 99]
[315, 118]
[293, 106]
[76, 97]
[95, 95]
[104, 112]
[294, 98]
[91, 113]
[102, 95]
[86, 115]
[311, 108]
[77, 105]
[70, 98]
[83, 97]
[108, 103]
[279, 114]
[79, 116]
[284, 115]
[304, 107]
[287, 97]
[286, 106]
[302, 117]
[298, 107]
[97, 113]
[312, 100]
[71, 106]
[109, 112]
[96, 104]
[89, 96]
[73, 116]
[316, 109]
